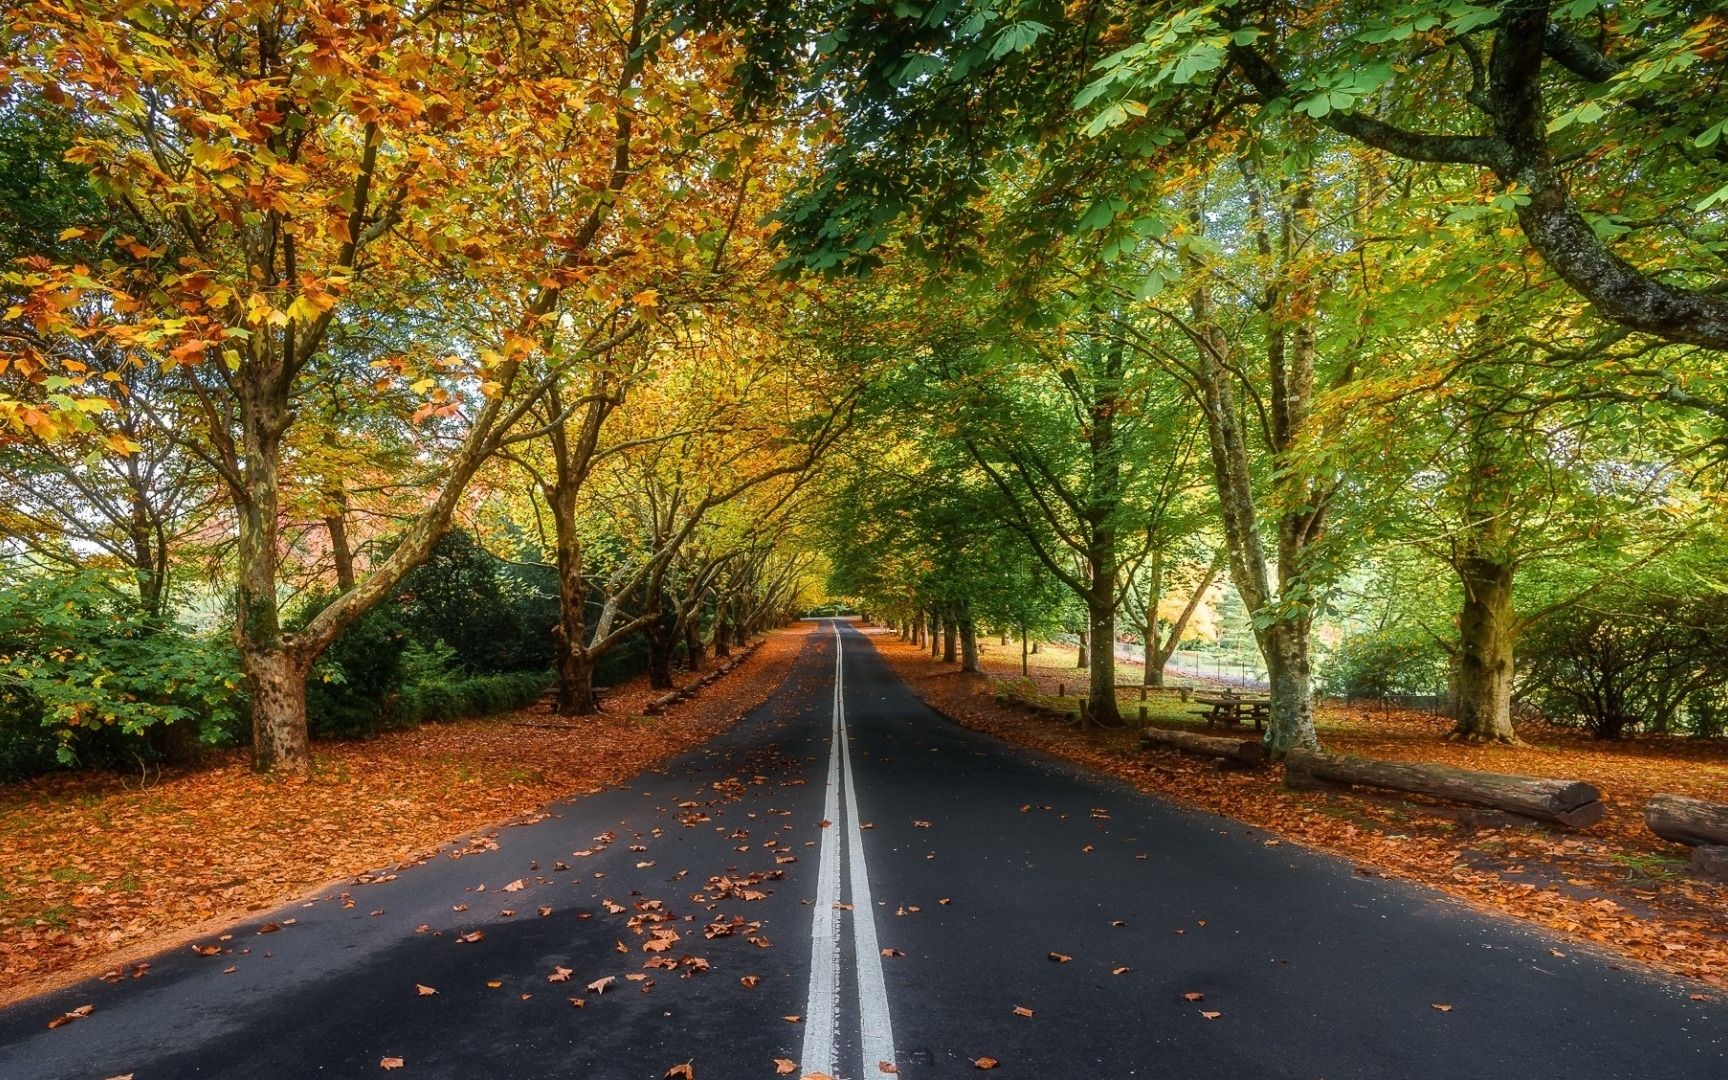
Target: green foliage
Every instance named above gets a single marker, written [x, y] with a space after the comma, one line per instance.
[1632, 661]
[1390, 660]
[41, 194]
[78, 662]
[493, 615]
[353, 686]
[435, 689]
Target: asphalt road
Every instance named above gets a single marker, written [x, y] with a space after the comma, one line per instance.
[936, 872]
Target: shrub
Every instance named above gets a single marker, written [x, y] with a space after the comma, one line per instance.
[350, 689]
[1383, 662]
[84, 674]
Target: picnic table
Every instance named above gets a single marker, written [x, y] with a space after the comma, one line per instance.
[1232, 708]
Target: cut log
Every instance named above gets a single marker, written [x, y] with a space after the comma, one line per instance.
[1568, 802]
[1711, 860]
[1688, 821]
[1245, 751]
[661, 703]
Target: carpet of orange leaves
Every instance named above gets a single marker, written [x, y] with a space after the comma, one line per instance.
[98, 868]
[1615, 886]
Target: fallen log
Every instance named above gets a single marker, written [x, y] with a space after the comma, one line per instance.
[1243, 751]
[1711, 860]
[661, 703]
[1688, 821]
[1567, 802]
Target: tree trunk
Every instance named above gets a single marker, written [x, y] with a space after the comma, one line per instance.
[1487, 631]
[693, 639]
[1102, 613]
[336, 524]
[968, 640]
[950, 631]
[1569, 802]
[576, 683]
[1082, 656]
[276, 684]
[935, 633]
[573, 664]
[1242, 751]
[276, 678]
[1290, 718]
[1002, 639]
[659, 654]
[1153, 670]
[1686, 820]
[722, 645]
[1025, 664]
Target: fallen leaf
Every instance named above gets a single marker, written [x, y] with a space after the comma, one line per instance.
[1441, 1008]
[887, 1067]
[686, 1071]
[985, 1063]
[892, 952]
[793, 1019]
[390, 1063]
[599, 985]
[782, 1066]
[560, 974]
[1211, 1015]
[750, 982]
[67, 1017]
[1120, 970]
[1021, 1010]
[424, 991]
[471, 937]
[1060, 958]
[1193, 995]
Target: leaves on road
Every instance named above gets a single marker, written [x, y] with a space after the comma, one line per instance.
[686, 1071]
[1021, 1010]
[75, 1014]
[985, 1063]
[1060, 958]
[782, 1066]
[390, 1064]
[424, 990]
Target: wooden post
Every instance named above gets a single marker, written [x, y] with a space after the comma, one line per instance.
[1142, 714]
[1061, 689]
[1142, 696]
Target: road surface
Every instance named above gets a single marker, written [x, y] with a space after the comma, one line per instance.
[952, 898]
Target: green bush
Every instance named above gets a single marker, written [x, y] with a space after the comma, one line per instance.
[351, 687]
[434, 689]
[88, 679]
[1383, 662]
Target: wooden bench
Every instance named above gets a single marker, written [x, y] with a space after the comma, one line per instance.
[1232, 709]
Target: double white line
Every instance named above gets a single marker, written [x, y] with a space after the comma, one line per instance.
[822, 1015]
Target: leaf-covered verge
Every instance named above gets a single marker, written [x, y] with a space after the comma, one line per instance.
[95, 870]
[1615, 886]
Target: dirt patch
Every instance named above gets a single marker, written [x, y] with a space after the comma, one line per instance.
[1616, 885]
[98, 868]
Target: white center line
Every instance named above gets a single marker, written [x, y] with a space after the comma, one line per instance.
[822, 1014]
[875, 1029]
